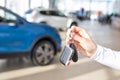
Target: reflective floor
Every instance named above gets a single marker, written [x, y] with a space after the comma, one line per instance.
[84, 69]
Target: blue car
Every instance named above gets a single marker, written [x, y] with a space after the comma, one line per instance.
[19, 37]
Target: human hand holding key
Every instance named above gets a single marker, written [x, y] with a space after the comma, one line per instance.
[69, 53]
[82, 41]
[86, 46]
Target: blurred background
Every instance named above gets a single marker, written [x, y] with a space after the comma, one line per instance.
[38, 28]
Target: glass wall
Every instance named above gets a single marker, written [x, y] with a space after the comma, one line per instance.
[2, 2]
[21, 6]
[117, 7]
[18, 6]
[105, 6]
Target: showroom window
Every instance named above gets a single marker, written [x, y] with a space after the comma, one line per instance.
[39, 3]
[2, 2]
[18, 6]
[93, 5]
[35, 3]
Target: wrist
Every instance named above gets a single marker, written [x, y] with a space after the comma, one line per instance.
[93, 51]
[98, 50]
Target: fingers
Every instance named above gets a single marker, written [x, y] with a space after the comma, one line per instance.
[79, 47]
[73, 34]
[80, 31]
[68, 32]
[77, 34]
[82, 40]
[68, 40]
[76, 37]
[75, 29]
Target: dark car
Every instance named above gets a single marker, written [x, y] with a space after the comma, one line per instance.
[20, 37]
[105, 19]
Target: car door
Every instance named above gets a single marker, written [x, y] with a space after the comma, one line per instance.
[12, 35]
[58, 19]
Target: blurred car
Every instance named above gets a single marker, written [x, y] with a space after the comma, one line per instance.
[51, 17]
[115, 21]
[105, 19]
[19, 37]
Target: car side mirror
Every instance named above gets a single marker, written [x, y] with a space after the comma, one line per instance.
[19, 22]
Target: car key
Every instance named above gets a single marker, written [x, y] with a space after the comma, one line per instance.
[75, 54]
[69, 53]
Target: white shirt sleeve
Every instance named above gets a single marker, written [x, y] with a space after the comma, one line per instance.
[107, 57]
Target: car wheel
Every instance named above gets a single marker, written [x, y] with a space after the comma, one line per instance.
[73, 24]
[43, 53]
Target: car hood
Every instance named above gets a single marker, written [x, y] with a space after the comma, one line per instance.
[42, 26]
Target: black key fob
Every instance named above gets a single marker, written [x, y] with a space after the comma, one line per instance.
[69, 53]
[75, 54]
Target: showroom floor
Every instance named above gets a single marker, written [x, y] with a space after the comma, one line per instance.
[84, 69]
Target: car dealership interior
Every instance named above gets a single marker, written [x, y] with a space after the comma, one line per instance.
[33, 37]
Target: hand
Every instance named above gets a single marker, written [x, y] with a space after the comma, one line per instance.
[82, 41]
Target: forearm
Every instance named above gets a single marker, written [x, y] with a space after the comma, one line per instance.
[107, 57]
